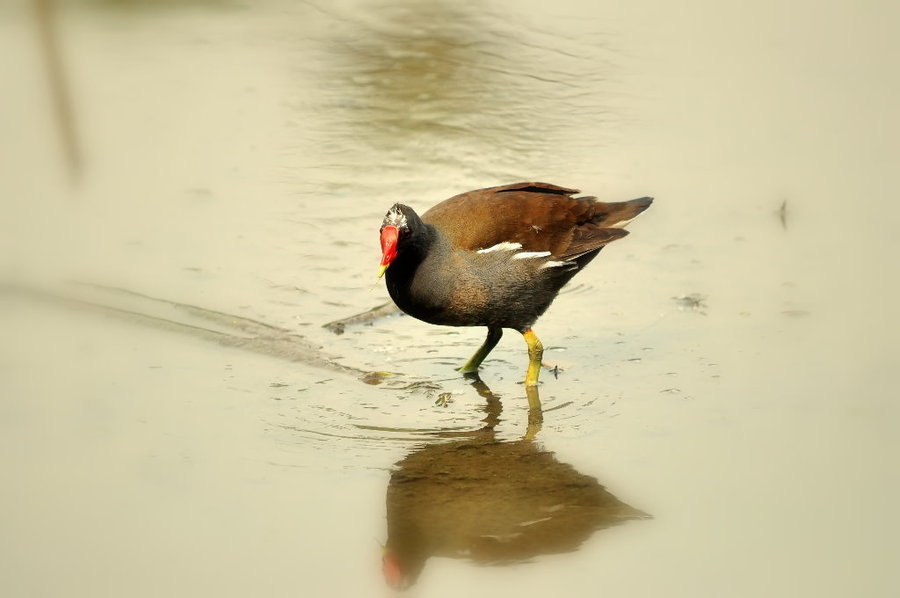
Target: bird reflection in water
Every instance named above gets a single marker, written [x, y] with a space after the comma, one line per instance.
[489, 501]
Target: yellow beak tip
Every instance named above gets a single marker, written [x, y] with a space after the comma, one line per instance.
[381, 270]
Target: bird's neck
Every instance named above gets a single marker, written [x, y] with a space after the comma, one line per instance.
[416, 248]
[406, 271]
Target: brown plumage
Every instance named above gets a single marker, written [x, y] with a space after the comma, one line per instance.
[540, 216]
[496, 257]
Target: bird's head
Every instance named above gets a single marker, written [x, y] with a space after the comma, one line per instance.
[395, 229]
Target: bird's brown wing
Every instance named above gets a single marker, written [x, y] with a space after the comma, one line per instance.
[539, 216]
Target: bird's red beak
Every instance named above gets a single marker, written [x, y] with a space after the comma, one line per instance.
[389, 235]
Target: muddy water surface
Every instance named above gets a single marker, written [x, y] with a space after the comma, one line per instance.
[175, 419]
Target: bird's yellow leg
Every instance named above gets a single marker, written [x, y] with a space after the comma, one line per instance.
[535, 354]
[493, 337]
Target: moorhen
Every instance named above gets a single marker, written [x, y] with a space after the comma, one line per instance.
[496, 257]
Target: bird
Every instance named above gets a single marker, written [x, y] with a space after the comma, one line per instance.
[496, 257]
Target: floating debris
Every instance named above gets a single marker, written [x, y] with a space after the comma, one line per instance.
[366, 317]
[795, 313]
[693, 302]
[375, 378]
[444, 399]
[782, 214]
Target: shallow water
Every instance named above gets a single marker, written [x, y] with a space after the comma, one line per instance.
[177, 421]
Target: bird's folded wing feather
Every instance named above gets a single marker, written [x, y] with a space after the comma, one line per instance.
[538, 216]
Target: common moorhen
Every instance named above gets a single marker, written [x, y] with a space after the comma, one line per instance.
[496, 257]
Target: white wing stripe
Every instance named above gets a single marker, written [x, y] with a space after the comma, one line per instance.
[553, 264]
[524, 255]
[505, 246]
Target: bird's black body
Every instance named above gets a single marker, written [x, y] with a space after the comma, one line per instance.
[432, 281]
